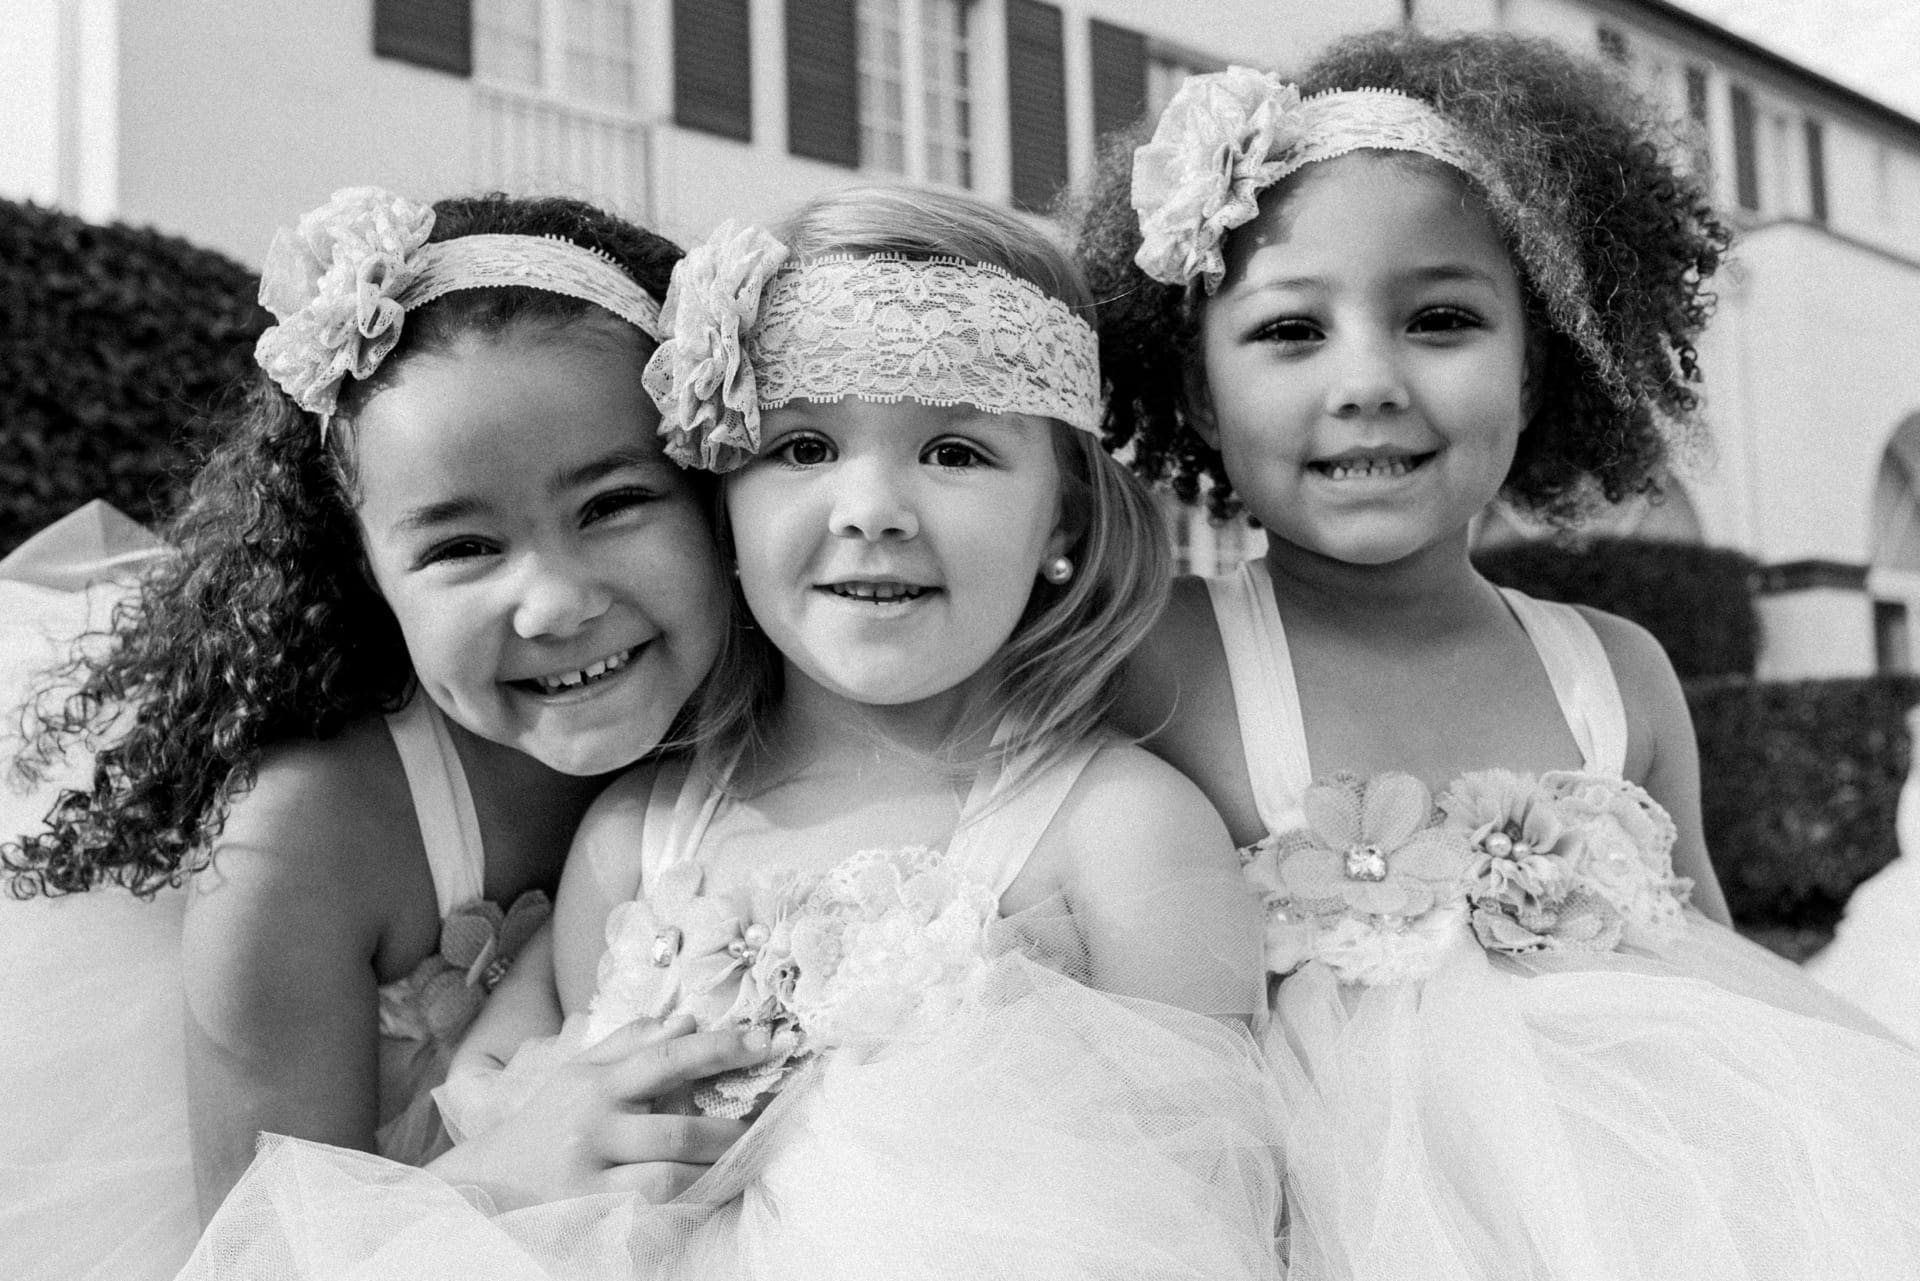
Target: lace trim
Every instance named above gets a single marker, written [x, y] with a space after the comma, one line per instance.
[532, 262]
[941, 331]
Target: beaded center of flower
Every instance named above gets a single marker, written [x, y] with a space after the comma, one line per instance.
[1366, 863]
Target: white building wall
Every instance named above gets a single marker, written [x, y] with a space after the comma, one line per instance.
[30, 68]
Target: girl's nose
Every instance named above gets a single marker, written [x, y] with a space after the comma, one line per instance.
[559, 595]
[872, 501]
[1367, 379]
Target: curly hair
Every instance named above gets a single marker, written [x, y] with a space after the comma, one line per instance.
[1590, 175]
[261, 627]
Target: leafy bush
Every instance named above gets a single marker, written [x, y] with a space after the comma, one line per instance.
[1697, 601]
[1800, 781]
[113, 339]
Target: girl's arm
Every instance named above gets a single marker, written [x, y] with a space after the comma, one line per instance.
[279, 951]
[1662, 755]
[523, 1006]
[1155, 888]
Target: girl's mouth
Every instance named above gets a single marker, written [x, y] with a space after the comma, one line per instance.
[562, 682]
[877, 592]
[1383, 468]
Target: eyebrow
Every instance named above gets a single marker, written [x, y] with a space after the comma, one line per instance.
[1438, 273]
[462, 507]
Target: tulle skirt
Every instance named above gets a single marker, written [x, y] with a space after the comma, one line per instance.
[96, 1179]
[1704, 1113]
[1046, 1131]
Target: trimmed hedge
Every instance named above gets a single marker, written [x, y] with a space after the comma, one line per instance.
[1800, 781]
[1697, 601]
[113, 339]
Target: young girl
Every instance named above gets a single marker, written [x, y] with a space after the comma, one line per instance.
[904, 821]
[438, 581]
[1435, 272]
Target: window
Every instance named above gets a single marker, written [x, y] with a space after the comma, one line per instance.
[1892, 637]
[884, 84]
[575, 51]
[713, 67]
[1699, 124]
[427, 33]
[1816, 170]
[1746, 166]
[1036, 101]
[1613, 45]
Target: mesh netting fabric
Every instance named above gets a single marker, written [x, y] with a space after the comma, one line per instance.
[1045, 1129]
[1704, 1112]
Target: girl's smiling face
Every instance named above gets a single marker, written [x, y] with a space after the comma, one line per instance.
[889, 550]
[554, 575]
[1366, 359]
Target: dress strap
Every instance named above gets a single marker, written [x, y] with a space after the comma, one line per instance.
[442, 803]
[999, 830]
[679, 810]
[1273, 734]
[1581, 676]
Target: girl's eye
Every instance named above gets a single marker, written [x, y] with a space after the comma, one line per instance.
[615, 501]
[1443, 320]
[1288, 329]
[954, 454]
[453, 550]
[802, 451]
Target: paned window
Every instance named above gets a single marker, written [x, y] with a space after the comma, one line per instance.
[913, 89]
[573, 51]
[1699, 124]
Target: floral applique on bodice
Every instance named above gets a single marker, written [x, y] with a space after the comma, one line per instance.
[875, 948]
[1378, 879]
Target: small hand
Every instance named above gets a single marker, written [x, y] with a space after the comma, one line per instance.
[602, 1122]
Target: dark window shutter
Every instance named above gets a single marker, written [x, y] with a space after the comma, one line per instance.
[1119, 77]
[1746, 165]
[428, 33]
[823, 81]
[712, 67]
[1036, 102]
[1817, 170]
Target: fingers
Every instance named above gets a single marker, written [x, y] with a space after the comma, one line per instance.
[655, 1184]
[652, 1138]
[651, 1070]
[640, 1033]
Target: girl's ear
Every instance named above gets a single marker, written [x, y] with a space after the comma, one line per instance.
[1199, 404]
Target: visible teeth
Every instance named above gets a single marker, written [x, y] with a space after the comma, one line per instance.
[1368, 467]
[877, 591]
[593, 671]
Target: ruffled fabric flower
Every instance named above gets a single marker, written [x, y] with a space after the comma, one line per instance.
[701, 377]
[1531, 890]
[1291, 936]
[1200, 177]
[1376, 951]
[1628, 837]
[1369, 848]
[334, 283]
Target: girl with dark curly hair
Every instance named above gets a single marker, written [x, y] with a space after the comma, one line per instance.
[1437, 271]
[437, 582]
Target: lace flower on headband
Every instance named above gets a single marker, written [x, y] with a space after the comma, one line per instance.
[342, 282]
[333, 283]
[750, 331]
[1202, 175]
[700, 376]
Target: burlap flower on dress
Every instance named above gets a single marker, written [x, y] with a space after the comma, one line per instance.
[700, 376]
[1202, 174]
[333, 283]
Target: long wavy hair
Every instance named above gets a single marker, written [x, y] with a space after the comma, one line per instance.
[1056, 678]
[261, 627]
[1612, 238]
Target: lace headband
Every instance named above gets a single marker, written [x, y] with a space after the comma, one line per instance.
[748, 331]
[342, 282]
[1228, 136]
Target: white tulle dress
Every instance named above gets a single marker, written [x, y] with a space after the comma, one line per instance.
[970, 1111]
[96, 1175]
[1589, 1084]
